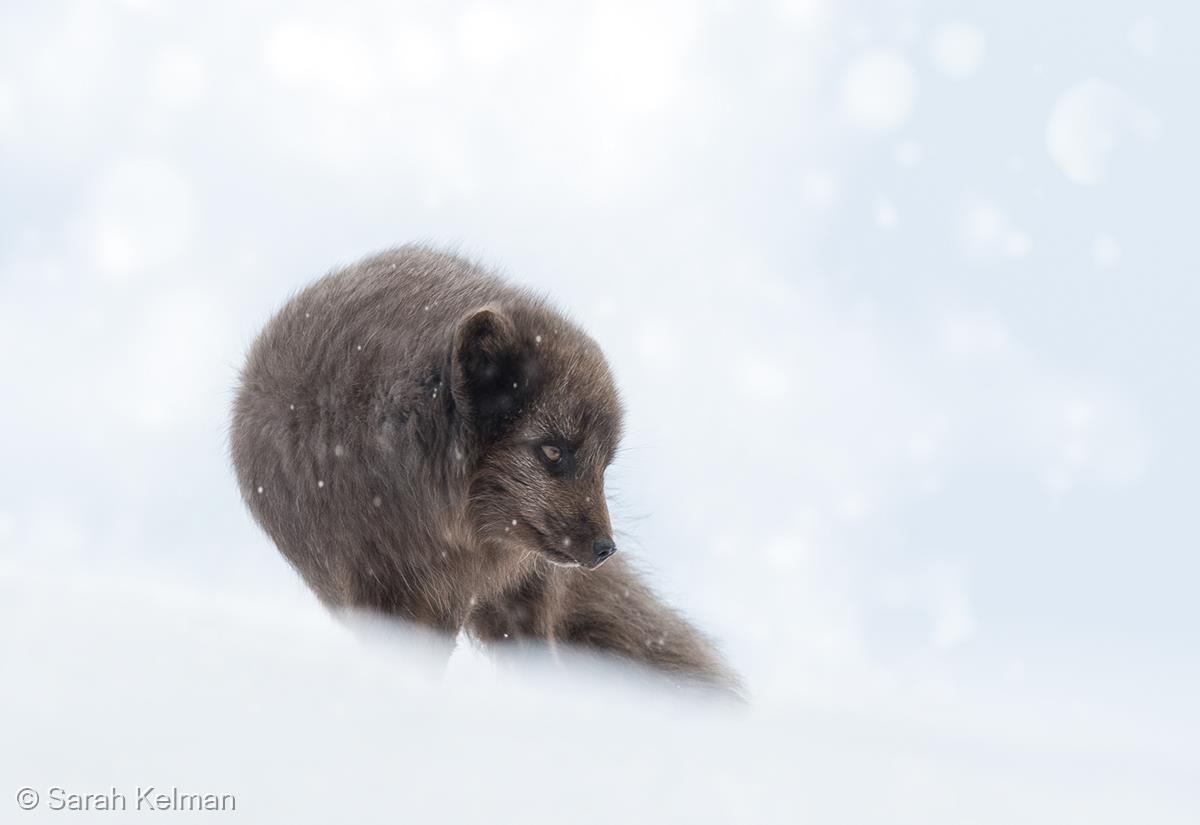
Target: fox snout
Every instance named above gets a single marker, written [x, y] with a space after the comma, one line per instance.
[588, 554]
[591, 533]
[589, 543]
[602, 548]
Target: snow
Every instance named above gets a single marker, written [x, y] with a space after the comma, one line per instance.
[805, 15]
[328, 60]
[764, 379]
[635, 55]
[488, 36]
[988, 230]
[1106, 252]
[908, 154]
[381, 733]
[1143, 37]
[144, 382]
[418, 56]
[142, 217]
[178, 77]
[879, 90]
[885, 213]
[819, 189]
[957, 49]
[1090, 123]
[658, 345]
[8, 109]
[1017, 244]
[900, 302]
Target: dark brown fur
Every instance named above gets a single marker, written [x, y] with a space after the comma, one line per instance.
[387, 435]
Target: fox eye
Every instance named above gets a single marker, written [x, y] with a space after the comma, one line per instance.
[553, 454]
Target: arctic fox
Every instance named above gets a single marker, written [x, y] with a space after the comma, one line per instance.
[423, 440]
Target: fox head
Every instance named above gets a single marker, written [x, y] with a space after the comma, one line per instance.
[543, 419]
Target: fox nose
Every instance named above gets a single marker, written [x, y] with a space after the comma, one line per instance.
[603, 548]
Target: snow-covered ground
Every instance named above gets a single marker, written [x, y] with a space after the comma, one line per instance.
[136, 684]
[901, 297]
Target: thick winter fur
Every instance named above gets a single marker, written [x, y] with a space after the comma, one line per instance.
[423, 440]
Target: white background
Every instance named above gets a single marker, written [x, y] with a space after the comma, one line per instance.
[902, 300]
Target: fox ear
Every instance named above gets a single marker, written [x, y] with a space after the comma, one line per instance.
[493, 375]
